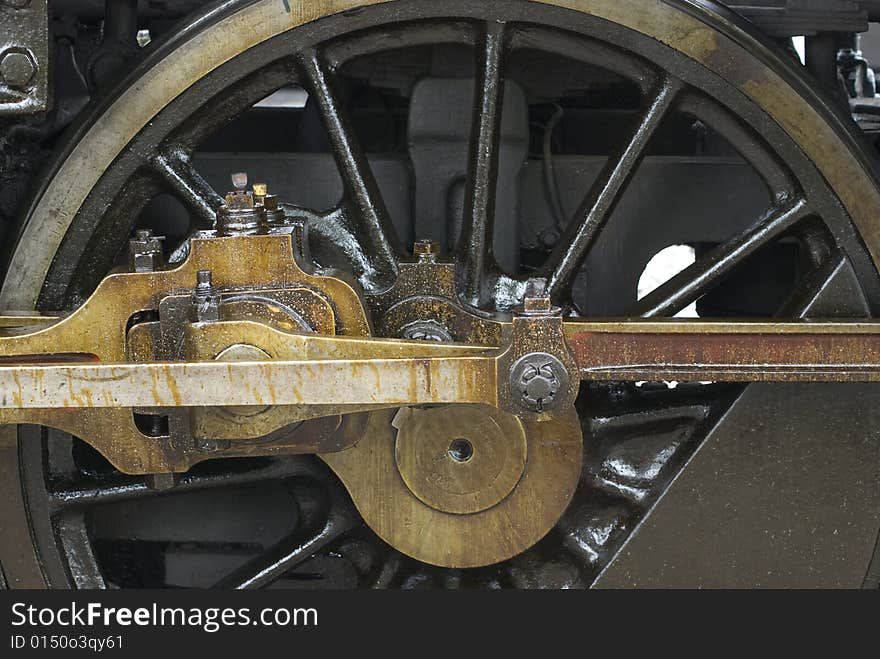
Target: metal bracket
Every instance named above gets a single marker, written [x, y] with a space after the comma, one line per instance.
[24, 56]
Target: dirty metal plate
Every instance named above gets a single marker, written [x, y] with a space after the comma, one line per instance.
[784, 493]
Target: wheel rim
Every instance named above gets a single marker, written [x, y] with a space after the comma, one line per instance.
[67, 281]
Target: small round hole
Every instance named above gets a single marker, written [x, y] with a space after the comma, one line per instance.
[461, 450]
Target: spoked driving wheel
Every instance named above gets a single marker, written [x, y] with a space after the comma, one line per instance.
[534, 154]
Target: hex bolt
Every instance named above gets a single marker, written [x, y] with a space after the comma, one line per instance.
[204, 281]
[427, 330]
[17, 68]
[205, 300]
[243, 213]
[239, 180]
[426, 250]
[161, 482]
[269, 202]
[145, 251]
[260, 191]
[537, 305]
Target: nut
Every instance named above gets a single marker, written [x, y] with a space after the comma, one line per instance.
[145, 251]
[426, 250]
[537, 305]
[239, 180]
[426, 330]
[239, 201]
[17, 68]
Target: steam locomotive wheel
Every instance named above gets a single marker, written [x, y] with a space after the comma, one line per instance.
[671, 485]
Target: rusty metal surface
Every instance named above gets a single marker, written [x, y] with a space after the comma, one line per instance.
[426, 291]
[337, 382]
[98, 327]
[97, 331]
[727, 351]
[315, 370]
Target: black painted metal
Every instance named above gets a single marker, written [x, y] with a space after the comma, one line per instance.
[599, 203]
[177, 171]
[475, 241]
[376, 239]
[272, 564]
[696, 280]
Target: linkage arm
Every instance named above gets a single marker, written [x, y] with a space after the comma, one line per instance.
[339, 371]
[738, 351]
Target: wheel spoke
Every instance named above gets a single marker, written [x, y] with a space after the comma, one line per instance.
[600, 201]
[693, 282]
[372, 220]
[177, 172]
[287, 554]
[389, 571]
[476, 233]
[815, 285]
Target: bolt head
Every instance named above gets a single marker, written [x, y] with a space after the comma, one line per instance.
[426, 330]
[537, 304]
[204, 278]
[17, 68]
[239, 180]
[145, 251]
[426, 250]
[206, 307]
[239, 201]
[161, 482]
[538, 381]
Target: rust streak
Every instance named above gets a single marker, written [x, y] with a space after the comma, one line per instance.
[172, 385]
[157, 397]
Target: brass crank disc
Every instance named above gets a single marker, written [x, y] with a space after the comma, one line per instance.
[464, 485]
